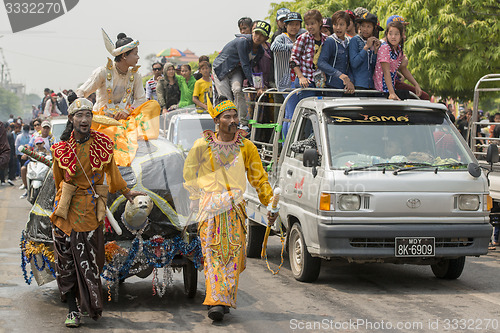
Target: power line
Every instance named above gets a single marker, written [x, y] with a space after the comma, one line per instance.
[49, 60]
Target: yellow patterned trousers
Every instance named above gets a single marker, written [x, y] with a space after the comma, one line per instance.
[223, 245]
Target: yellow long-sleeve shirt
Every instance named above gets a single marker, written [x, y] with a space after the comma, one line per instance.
[209, 171]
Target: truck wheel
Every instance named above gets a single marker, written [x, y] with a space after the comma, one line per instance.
[190, 275]
[449, 269]
[255, 237]
[304, 267]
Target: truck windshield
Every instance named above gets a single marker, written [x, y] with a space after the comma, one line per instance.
[360, 137]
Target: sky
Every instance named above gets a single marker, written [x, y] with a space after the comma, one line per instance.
[61, 54]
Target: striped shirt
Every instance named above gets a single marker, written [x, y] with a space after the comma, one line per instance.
[282, 49]
[303, 54]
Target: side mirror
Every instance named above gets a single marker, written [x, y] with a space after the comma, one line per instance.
[310, 159]
[474, 170]
[492, 153]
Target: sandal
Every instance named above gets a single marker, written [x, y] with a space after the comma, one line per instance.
[491, 247]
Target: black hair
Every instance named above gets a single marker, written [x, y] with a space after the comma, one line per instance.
[71, 97]
[26, 127]
[46, 90]
[157, 63]
[122, 39]
[186, 65]
[341, 15]
[203, 58]
[246, 21]
[66, 134]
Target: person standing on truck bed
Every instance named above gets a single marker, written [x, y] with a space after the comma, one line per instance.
[214, 174]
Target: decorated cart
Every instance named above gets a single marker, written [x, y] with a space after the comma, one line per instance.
[157, 238]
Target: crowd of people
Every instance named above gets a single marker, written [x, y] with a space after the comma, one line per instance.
[35, 134]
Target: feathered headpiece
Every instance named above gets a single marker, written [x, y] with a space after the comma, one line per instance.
[219, 108]
[119, 50]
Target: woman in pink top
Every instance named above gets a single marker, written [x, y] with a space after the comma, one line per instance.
[389, 60]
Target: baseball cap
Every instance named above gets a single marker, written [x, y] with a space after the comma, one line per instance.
[327, 22]
[45, 123]
[39, 140]
[281, 13]
[396, 18]
[53, 95]
[351, 15]
[360, 11]
[293, 16]
[263, 27]
[369, 17]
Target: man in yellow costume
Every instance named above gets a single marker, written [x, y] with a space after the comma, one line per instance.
[215, 174]
[121, 109]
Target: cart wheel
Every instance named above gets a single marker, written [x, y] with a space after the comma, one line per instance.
[190, 274]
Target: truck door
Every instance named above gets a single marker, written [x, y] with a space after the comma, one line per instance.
[300, 188]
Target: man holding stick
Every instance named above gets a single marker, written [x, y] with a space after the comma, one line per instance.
[214, 174]
[81, 160]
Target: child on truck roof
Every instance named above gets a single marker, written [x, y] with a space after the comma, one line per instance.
[305, 52]
[363, 49]
[389, 60]
[334, 57]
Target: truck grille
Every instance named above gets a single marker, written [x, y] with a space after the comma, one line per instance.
[389, 242]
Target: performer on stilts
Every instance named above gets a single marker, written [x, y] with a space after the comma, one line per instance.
[215, 174]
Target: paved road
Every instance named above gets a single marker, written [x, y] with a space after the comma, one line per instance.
[374, 296]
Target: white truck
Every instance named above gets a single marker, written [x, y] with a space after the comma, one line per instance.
[368, 179]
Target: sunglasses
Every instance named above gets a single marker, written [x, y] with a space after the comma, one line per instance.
[36, 124]
[157, 69]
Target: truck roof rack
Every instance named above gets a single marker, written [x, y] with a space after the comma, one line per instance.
[472, 136]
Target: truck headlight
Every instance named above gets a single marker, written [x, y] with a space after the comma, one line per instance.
[349, 202]
[468, 202]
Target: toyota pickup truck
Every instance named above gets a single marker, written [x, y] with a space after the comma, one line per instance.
[367, 179]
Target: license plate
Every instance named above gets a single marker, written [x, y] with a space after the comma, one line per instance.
[415, 247]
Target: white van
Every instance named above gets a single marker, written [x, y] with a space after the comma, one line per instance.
[374, 180]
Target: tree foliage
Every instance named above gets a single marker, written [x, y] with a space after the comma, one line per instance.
[9, 104]
[450, 44]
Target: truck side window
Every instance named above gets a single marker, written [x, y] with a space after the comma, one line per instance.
[305, 139]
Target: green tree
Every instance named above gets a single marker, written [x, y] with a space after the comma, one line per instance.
[9, 104]
[450, 44]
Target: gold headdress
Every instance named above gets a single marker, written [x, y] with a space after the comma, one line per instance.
[219, 108]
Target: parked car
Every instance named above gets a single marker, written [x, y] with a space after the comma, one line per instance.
[58, 125]
[184, 128]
